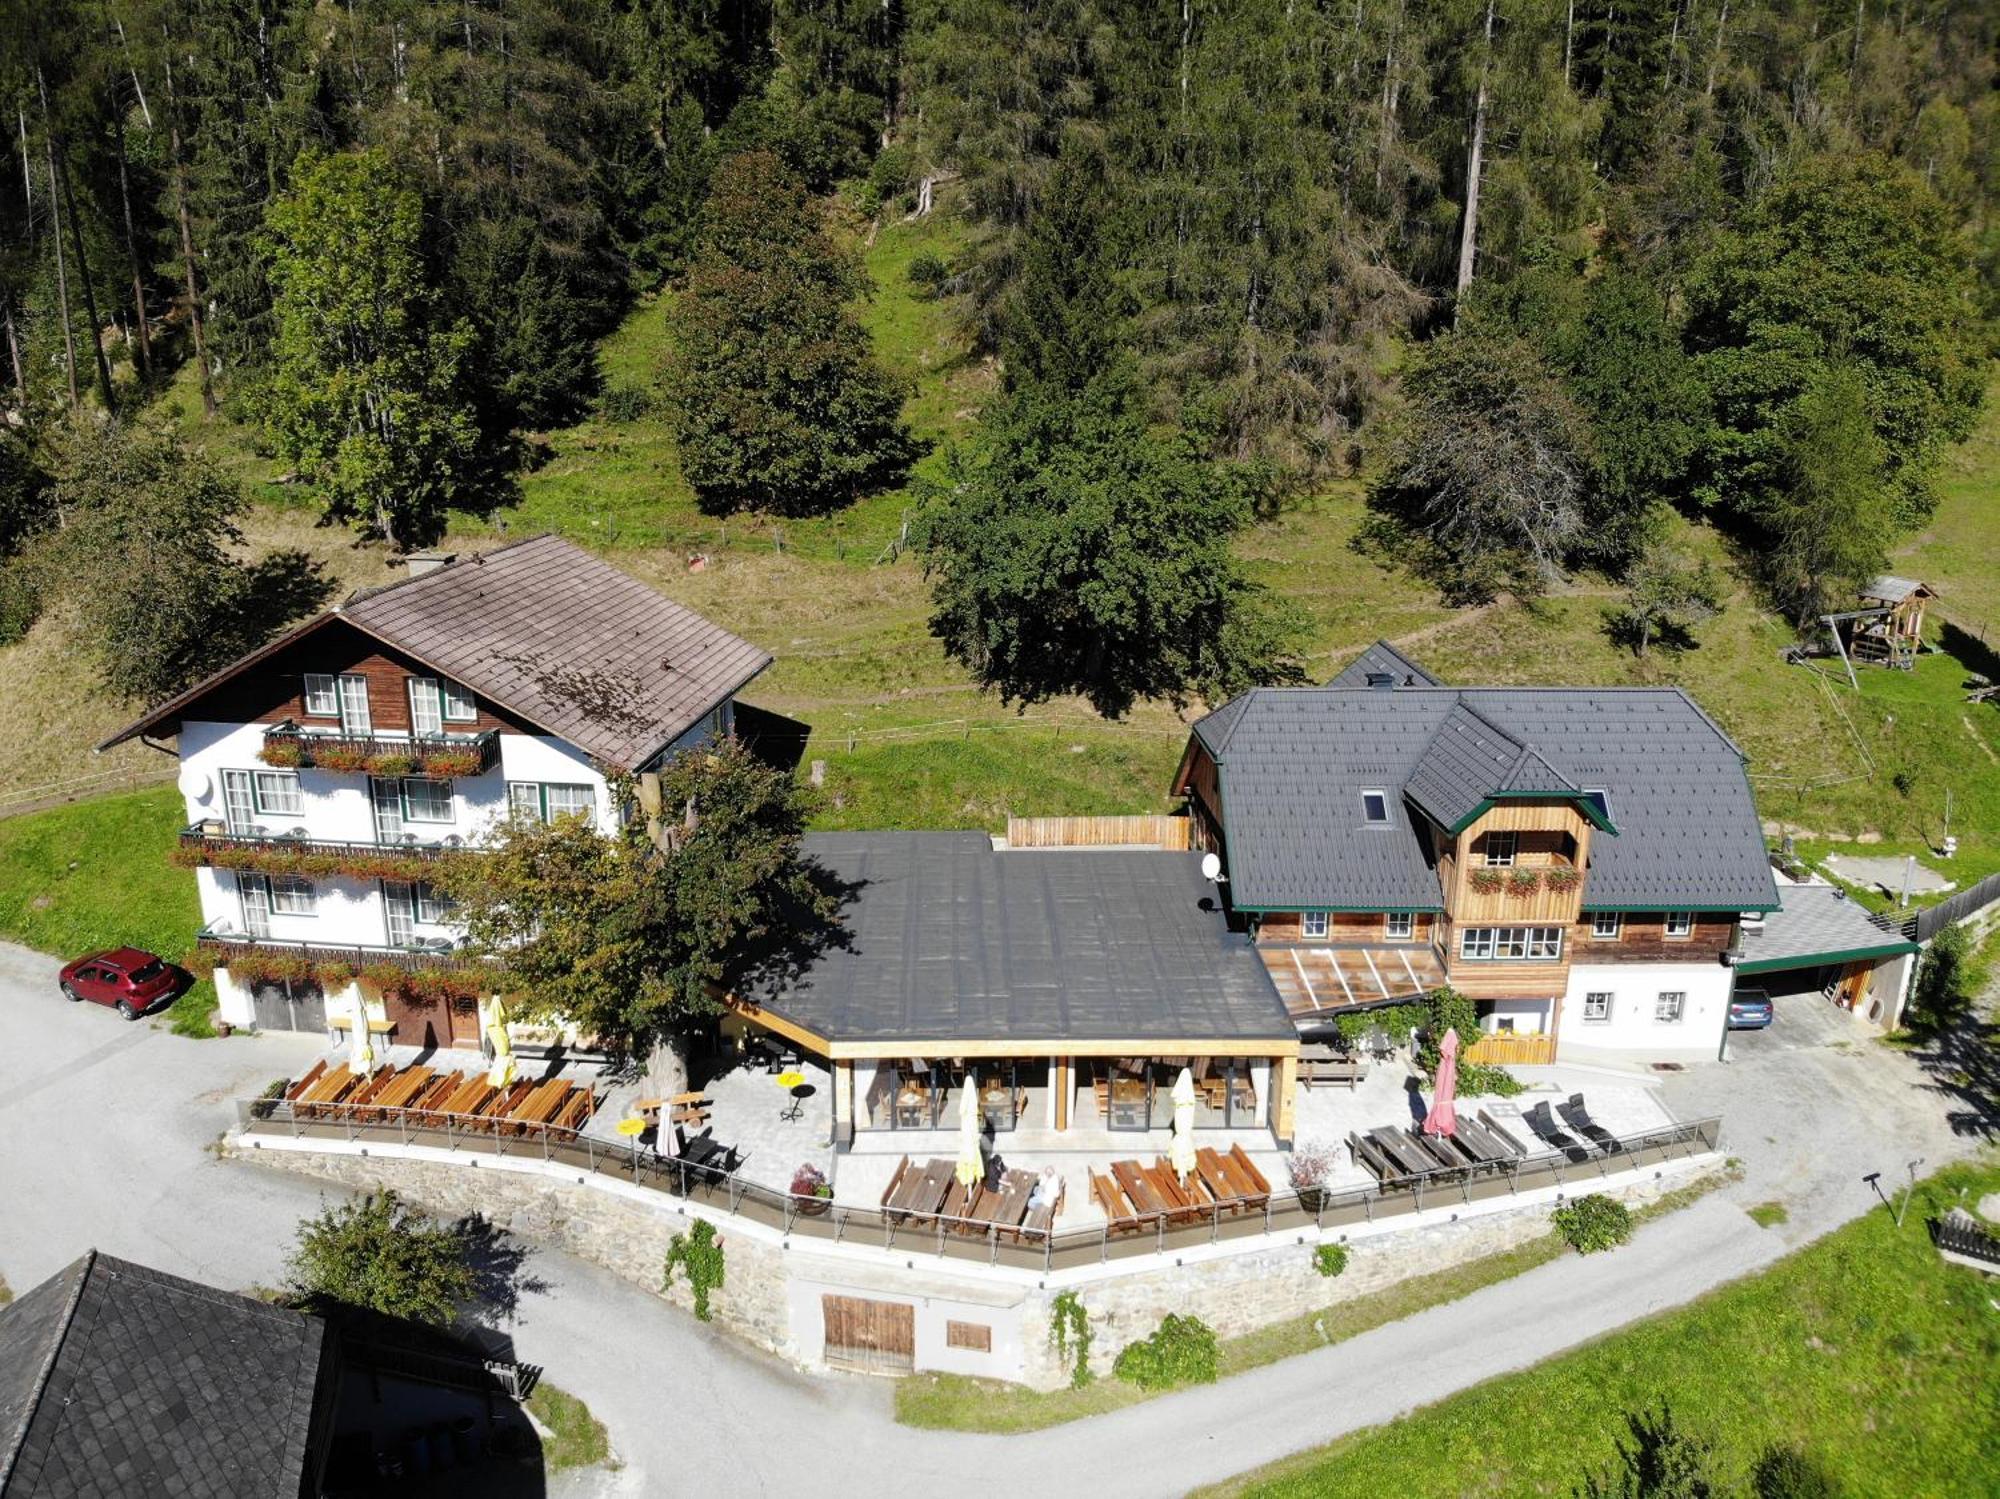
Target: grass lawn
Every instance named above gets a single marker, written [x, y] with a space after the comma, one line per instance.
[94, 874]
[574, 1437]
[957, 1403]
[1865, 1350]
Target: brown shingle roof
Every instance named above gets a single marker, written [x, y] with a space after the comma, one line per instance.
[556, 635]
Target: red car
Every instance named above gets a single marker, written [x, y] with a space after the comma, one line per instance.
[128, 979]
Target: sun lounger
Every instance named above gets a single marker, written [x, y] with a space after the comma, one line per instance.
[1546, 1130]
[1577, 1117]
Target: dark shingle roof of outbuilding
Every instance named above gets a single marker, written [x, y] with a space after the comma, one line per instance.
[118, 1380]
[556, 635]
[949, 939]
[1818, 924]
[1293, 762]
[1383, 659]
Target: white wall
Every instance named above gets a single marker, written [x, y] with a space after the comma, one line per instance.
[1530, 1016]
[1003, 1315]
[1635, 988]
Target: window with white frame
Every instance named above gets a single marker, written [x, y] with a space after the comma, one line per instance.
[1597, 1008]
[1606, 926]
[1680, 923]
[1399, 926]
[277, 792]
[437, 701]
[1375, 807]
[321, 700]
[1517, 944]
[426, 800]
[355, 717]
[291, 896]
[1313, 924]
[545, 801]
[1500, 849]
[1668, 1007]
[431, 904]
[457, 702]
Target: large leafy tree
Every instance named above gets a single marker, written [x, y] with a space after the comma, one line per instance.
[1825, 519]
[1852, 262]
[381, 1255]
[777, 402]
[364, 392]
[1490, 480]
[149, 556]
[633, 934]
[1071, 547]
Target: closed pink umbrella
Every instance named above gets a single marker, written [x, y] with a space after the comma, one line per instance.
[1443, 1117]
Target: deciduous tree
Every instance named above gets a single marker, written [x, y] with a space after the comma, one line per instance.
[381, 1255]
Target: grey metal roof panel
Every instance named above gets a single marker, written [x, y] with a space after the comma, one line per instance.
[1297, 759]
[1818, 924]
[151, 1385]
[1890, 587]
[1382, 658]
[568, 641]
[943, 938]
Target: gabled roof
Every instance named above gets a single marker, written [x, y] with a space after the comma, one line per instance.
[1680, 829]
[1895, 589]
[119, 1380]
[1383, 659]
[552, 633]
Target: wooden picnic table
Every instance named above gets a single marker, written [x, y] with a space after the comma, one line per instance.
[331, 1088]
[472, 1091]
[919, 1192]
[1408, 1158]
[408, 1085]
[541, 1104]
[313, 1075]
[1140, 1191]
[1491, 1146]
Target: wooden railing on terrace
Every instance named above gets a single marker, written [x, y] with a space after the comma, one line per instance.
[952, 1238]
[1512, 1050]
[1147, 830]
[222, 945]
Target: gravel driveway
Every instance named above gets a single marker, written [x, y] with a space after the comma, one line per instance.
[102, 1133]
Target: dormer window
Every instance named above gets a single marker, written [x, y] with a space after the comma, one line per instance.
[1599, 798]
[1375, 808]
[1500, 850]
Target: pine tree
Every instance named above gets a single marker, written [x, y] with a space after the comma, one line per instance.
[777, 402]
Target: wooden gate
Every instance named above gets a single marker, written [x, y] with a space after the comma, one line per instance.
[879, 1336]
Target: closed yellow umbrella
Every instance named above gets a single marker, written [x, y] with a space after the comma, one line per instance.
[1180, 1153]
[362, 1058]
[502, 1071]
[971, 1160]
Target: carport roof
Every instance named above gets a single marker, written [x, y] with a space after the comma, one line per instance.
[1818, 924]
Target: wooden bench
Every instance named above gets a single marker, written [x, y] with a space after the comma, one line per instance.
[1038, 1221]
[313, 1075]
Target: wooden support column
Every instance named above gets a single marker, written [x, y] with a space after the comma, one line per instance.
[1283, 1097]
[843, 1104]
[649, 803]
[1065, 1086]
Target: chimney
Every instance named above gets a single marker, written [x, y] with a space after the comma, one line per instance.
[420, 563]
[1382, 681]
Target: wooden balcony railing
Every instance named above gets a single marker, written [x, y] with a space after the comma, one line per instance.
[442, 755]
[220, 942]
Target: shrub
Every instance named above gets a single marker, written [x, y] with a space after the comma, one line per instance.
[1788, 1473]
[1593, 1222]
[386, 1257]
[1330, 1259]
[626, 403]
[699, 1253]
[1183, 1351]
[1069, 1335]
[928, 272]
[1478, 1077]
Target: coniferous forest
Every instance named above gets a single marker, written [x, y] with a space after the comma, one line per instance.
[1540, 271]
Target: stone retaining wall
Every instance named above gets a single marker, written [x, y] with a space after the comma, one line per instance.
[773, 1297]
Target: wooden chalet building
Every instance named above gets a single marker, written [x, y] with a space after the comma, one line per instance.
[325, 771]
[1576, 860]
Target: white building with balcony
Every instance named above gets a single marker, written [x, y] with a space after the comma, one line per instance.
[325, 770]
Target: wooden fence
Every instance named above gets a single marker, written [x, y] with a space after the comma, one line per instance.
[1149, 830]
[1927, 923]
[1512, 1051]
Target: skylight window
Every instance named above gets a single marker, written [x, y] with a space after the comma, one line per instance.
[1375, 807]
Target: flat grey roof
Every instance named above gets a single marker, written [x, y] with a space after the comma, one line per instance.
[1818, 924]
[943, 938]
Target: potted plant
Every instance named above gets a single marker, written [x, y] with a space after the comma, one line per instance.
[812, 1193]
[1486, 881]
[1562, 878]
[1523, 882]
[343, 758]
[285, 754]
[1310, 1166]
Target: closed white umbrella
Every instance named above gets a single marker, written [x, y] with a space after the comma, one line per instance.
[1180, 1153]
[501, 1074]
[971, 1160]
[362, 1058]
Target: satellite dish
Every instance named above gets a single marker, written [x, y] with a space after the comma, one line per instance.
[1211, 868]
[195, 784]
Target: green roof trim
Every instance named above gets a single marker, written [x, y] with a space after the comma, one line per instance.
[1820, 960]
[1578, 799]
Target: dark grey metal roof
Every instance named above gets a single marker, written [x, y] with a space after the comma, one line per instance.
[947, 939]
[1294, 761]
[1890, 587]
[118, 1380]
[1818, 924]
[1383, 659]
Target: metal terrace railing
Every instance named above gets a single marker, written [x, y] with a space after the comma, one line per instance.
[382, 753]
[222, 941]
[231, 848]
[963, 1239]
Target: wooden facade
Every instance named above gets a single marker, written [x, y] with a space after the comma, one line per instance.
[1344, 929]
[1548, 836]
